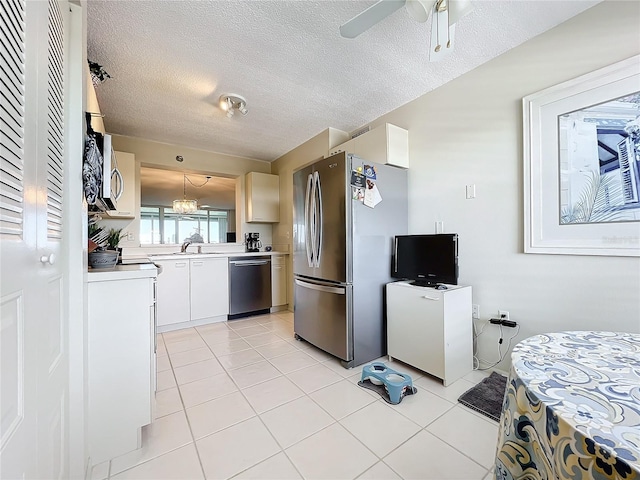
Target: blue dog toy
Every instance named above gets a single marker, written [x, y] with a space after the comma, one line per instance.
[378, 377]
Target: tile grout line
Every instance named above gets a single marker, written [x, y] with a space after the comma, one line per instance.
[187, 417]
[455, 448]
[335, 420]
[307, 394]
[282, 374]
[263, 424]
[184, 409]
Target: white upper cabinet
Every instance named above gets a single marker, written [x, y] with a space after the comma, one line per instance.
[262, 198]
[126, 204]
[386, 144]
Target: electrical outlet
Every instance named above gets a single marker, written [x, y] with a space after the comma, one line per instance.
[130, 237]
[503, 314]
[475, 312]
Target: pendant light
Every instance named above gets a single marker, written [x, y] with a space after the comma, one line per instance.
[185, 206]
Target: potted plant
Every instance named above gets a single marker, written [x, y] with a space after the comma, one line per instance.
[98, 73]
[106, 255]
[113, 238]
[113, 241]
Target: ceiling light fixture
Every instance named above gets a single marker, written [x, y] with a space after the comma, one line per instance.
[230, 102]
[185, 206]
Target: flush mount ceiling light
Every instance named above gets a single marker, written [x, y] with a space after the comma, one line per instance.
[230, 102]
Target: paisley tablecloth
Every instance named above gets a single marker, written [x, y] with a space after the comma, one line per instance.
[572, 408]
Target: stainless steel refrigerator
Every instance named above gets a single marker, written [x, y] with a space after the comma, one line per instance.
[342, 256]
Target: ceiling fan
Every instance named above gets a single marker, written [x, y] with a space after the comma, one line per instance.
[444, 15]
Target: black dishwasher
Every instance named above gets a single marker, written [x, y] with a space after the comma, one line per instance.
[249, 286]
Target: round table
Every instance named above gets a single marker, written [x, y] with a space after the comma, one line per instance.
[572, 408]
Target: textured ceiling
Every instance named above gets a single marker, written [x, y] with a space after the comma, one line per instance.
[171, 60]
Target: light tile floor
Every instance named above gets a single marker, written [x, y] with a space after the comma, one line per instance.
[243, 399]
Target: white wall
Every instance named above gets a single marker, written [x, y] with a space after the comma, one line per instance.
[469, 131]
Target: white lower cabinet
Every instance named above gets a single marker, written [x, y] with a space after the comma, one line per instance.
[173, 292]
[278, 280]
[121, 364]
[431, 329]
[209, 287]
[192, 292]
[195, 291]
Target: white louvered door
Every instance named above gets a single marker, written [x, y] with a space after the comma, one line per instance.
[34, 331]
[18, 208]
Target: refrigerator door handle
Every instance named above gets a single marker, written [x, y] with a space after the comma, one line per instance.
[318, 237]
[322, 288]
[314, 221]
[307, 220]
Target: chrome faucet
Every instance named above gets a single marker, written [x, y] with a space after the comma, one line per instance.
[184, 246]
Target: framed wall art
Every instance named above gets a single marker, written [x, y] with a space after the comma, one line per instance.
[582, 164]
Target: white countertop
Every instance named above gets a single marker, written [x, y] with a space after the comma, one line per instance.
[122, 272]
[178, 256]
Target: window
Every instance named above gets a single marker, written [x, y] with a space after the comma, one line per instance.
[161, 225]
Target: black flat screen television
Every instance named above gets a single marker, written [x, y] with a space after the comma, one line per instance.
[426, 260]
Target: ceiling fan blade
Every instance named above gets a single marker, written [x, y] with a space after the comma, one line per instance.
[367, 19]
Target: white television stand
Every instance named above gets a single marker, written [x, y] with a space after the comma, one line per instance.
[431, 329]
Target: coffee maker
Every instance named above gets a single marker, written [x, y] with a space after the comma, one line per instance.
[252, 242]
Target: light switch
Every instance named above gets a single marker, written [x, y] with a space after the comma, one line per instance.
[439, 227]
[471, 191]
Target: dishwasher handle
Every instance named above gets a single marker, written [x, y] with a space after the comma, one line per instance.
[242, 263]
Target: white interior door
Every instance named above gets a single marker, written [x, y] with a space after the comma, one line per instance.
[34, 332]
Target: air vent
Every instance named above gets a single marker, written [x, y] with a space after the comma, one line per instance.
[357, 133]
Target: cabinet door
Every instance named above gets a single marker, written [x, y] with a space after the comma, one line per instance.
[262, 197]
[372, 146]
[173, 292]
[126, 204]
[386, 144]
[415, 327]
[120, 349]
[397, 146]
[278, 281]
[209, 288]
